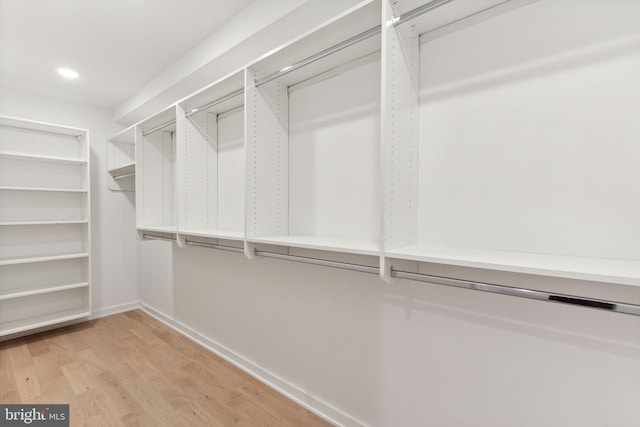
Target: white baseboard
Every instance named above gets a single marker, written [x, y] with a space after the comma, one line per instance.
[108, 311]
[285, 388]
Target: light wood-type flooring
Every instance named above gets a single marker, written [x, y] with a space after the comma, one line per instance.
[131, 370]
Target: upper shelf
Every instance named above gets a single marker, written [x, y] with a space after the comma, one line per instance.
[349, 36]
[123, 171]
[32, 125]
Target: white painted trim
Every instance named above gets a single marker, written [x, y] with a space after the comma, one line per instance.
[116, 309]
[299, 396]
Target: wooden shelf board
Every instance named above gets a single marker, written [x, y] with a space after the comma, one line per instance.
[333, 244]
[17, 326]
[41, 158]
[27, 260]
[583, 268]
[20, 293]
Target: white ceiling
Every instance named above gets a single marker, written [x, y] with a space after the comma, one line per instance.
[117, 46]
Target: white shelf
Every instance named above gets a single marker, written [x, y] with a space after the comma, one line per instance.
[214, 234]
[123, 170]
[22, 325]
[28, 260]
[55, 190]
[13, 223]
[34, 158]
[353, 246]
[160, 228]
[595, 269]
[45, 212]
[313, 139]
[20, 293]
[155, 183]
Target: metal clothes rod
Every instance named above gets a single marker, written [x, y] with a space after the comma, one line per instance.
[521, 292]
[316, 261]
[126, 175]
[215, 102]
[214, 246]
[152, 237]
[413, 13]
[157, 128]
[353, 40]
[333, 49]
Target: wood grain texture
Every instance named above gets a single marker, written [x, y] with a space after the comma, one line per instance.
[131, 370]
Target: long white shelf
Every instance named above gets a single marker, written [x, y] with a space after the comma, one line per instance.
[159, 228]
[54, 222]
[334, 244]
[625, 272]
[17, 326]
[59, 190]
[41, 158]
[27, 260]
[214, 234]
[123, 170]
[15, 293]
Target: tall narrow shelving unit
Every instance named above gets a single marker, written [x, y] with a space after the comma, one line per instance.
[155, 150]
[121, 160]
[45, 242]
[477, 177]
[211, 157]
[313, 139]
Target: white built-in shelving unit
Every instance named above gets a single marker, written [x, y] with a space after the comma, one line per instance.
[121, 160]
[414, 132]
[211, 159]
[478, 177]
[155, 154]
[45, 242]
[313, 139]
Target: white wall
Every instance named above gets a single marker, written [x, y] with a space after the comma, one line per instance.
[414, 354]
[114, 245]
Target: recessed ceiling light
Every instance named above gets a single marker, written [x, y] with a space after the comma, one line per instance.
[68, 73]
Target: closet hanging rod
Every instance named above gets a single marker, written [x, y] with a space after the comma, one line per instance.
[521, 292]
[313, 58]
[613, 306]
[215, 102]
[413, 13]
[126, 175]
[323, 262]
[152, 237]
[157, 128]
[214, 246]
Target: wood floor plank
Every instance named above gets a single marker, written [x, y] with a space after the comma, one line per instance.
[78, 377]
[27, 383]
[19, 355]
[46, 366]
[57, 390]
[131, 370]
[8, 390]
